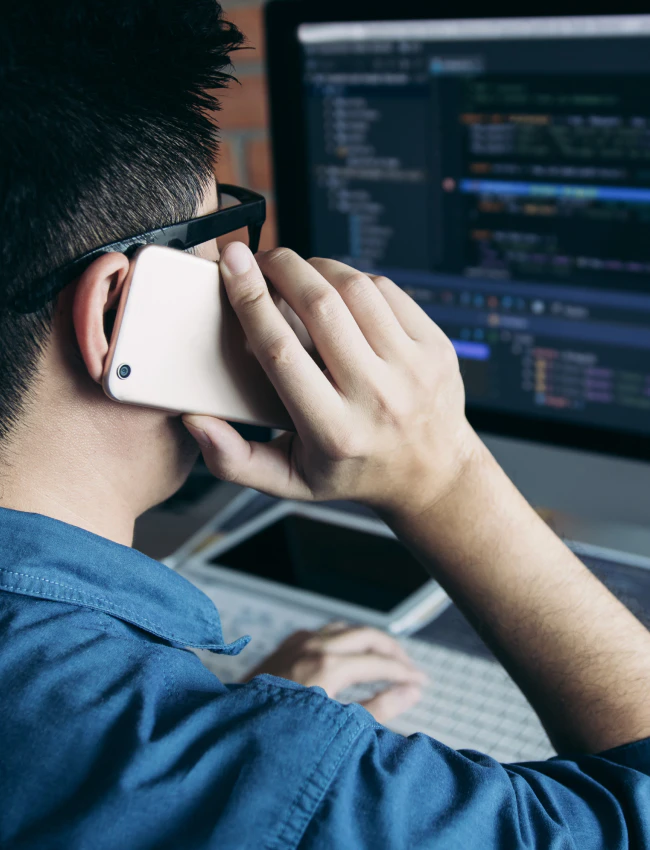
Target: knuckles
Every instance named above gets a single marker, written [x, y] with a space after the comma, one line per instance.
[447, 358]
[249, 295]
[280, 352]
[276, 256]
[321, 304]
[354, 285]
[381, 281]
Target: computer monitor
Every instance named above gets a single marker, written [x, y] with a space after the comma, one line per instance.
[498, 169]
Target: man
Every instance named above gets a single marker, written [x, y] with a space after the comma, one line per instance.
[112, 734]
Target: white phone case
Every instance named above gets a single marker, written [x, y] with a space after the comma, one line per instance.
[181, 347]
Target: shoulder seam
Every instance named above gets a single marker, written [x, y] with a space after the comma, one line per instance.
[314, 787]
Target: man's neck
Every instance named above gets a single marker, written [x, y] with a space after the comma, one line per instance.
[94, 512]
[65, 477]
[51, 502]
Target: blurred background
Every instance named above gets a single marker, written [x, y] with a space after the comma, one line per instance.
[246, 146]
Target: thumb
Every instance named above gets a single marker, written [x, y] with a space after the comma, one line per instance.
[225, 451]
[262, 466]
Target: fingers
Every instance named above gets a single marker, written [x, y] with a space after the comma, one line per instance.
[262, 466]
[334, 331]
[338, 638]
[365, 301]
[297, 326]
[410, 315]
[308, 658]
[334, 627]
[363, 639]
[305, 391]
[338, 672]
[392, 702]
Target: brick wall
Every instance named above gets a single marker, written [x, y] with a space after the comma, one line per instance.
[245, 149]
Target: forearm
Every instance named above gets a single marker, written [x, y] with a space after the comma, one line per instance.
[580, 657]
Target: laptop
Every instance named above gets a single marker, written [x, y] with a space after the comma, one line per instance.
[273, 567]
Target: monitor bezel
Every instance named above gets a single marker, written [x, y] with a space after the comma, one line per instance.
[291, 192]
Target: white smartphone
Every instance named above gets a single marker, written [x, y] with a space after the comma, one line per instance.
[177, 344]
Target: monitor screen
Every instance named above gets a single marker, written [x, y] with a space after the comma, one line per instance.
[499, 171]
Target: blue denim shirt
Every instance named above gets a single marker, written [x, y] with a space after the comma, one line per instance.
[113, 735]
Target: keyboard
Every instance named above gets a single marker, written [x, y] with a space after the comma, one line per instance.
[471, 703]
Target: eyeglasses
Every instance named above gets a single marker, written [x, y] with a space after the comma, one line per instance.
[250, 213]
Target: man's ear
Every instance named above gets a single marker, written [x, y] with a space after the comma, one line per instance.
[98, 291]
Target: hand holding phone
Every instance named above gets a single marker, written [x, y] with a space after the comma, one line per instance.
[384, 422]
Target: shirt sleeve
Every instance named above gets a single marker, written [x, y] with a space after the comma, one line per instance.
[396, 792]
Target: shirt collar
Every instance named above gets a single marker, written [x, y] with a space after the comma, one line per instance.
[48, 559]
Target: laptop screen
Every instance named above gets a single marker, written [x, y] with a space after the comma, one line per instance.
[374, 571]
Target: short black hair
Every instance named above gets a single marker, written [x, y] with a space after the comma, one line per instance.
[107, 114]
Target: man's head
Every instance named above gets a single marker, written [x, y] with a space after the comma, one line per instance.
[105, 108]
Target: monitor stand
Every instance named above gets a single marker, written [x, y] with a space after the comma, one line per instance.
[596, 499]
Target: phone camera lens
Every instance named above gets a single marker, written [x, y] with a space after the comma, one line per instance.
[123, 371]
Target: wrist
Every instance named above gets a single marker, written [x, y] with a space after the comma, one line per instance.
[434, 481]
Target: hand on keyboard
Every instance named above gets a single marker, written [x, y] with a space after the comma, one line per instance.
[338, 656]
